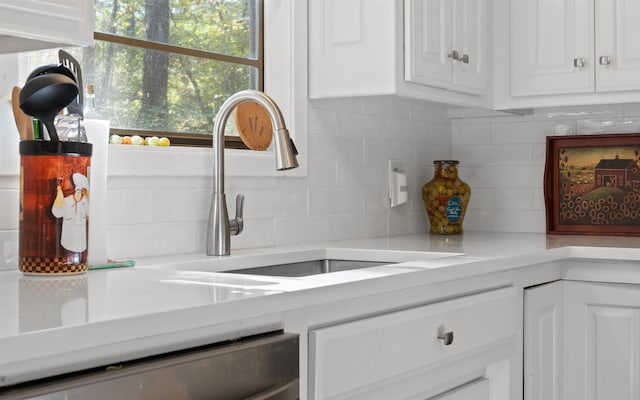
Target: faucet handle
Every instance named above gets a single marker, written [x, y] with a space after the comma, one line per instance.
[236, 224]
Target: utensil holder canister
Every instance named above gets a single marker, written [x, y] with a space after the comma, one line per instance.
[54, 207]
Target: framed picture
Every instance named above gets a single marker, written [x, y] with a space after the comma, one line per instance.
[592, 184]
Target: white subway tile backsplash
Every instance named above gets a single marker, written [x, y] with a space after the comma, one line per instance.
[524, 132]
[379, 150]
[518, 221]
[10, 200]
[149, 240]
[322, 174]
[512, 199]
[465, 134]
[127, 207]
[406, 223]
[181, 205]
[423, 154]
[258, 232]
[388, 106]
[349, 104]
[355, 226]
[350, 175]
[576, 112]
[607, 125]
[292, 203]
[336, 202]
[539, 153]
[538, 198]
[301, 230]
[430, 113]
[517, 176]
[345, 194]
[478, 220]
[473, 156]
[517, 154]
[322, 121]
[408, 130]
[481, 199]
[376, 200]
[475, 176]
[8, 250]
[361, 125]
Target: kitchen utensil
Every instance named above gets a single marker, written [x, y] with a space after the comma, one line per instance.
[254, 125]
[66, 59]
[43, 96]
[23, 121]
[52, 69]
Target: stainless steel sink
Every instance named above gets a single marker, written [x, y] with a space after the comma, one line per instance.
[306, 268]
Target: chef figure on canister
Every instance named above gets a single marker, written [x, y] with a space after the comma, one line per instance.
[73, 210]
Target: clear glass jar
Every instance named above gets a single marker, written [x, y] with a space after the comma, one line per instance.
[446, 198]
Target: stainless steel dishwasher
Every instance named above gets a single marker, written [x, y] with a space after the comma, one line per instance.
[257, 368]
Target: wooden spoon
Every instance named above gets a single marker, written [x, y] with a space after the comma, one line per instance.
[254, 125]
[24, 123]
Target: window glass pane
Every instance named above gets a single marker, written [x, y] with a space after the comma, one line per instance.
[222, 26]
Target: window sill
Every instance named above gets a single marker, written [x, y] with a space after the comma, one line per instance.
[128, 160]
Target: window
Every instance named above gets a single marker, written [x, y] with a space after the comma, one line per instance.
[164, 67]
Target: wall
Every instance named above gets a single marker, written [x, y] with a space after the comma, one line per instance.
[502, 159]
[344, 195]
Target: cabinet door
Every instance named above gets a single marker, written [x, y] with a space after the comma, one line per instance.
[552, 47]
[582, 341]
[543, 339]
[617, 48]
[470, 40]
[428, 42]
[36, 24]
[445, 42]
[602, 341]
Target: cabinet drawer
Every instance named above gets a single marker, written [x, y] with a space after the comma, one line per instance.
[476, 390]
[357, 354]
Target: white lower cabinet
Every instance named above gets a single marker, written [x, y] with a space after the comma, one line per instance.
[445, 350]
[582, 341]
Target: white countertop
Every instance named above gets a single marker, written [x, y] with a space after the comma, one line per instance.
[59, 324]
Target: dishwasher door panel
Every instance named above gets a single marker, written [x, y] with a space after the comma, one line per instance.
[261, 368]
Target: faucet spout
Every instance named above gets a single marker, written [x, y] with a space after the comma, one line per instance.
[219, 228]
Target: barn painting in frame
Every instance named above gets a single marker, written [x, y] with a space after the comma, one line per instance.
[592, 184]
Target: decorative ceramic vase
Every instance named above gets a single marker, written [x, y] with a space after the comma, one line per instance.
[446, 199]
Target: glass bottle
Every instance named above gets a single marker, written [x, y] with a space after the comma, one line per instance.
[446, 198]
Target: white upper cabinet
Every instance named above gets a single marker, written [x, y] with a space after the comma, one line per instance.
[387, 47]
[566, 52]
[445, 44]
[617, 56]
[552, 47]
[38, 24]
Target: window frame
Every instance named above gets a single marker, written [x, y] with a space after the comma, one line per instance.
[193, 139]
[286, 74]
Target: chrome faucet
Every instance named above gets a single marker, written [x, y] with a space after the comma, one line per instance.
[220, 228]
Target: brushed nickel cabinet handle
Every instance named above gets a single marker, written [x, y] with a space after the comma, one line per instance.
[446, 337]
[605, 60]
[578, 62]
[464, 59]
[454, 55]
